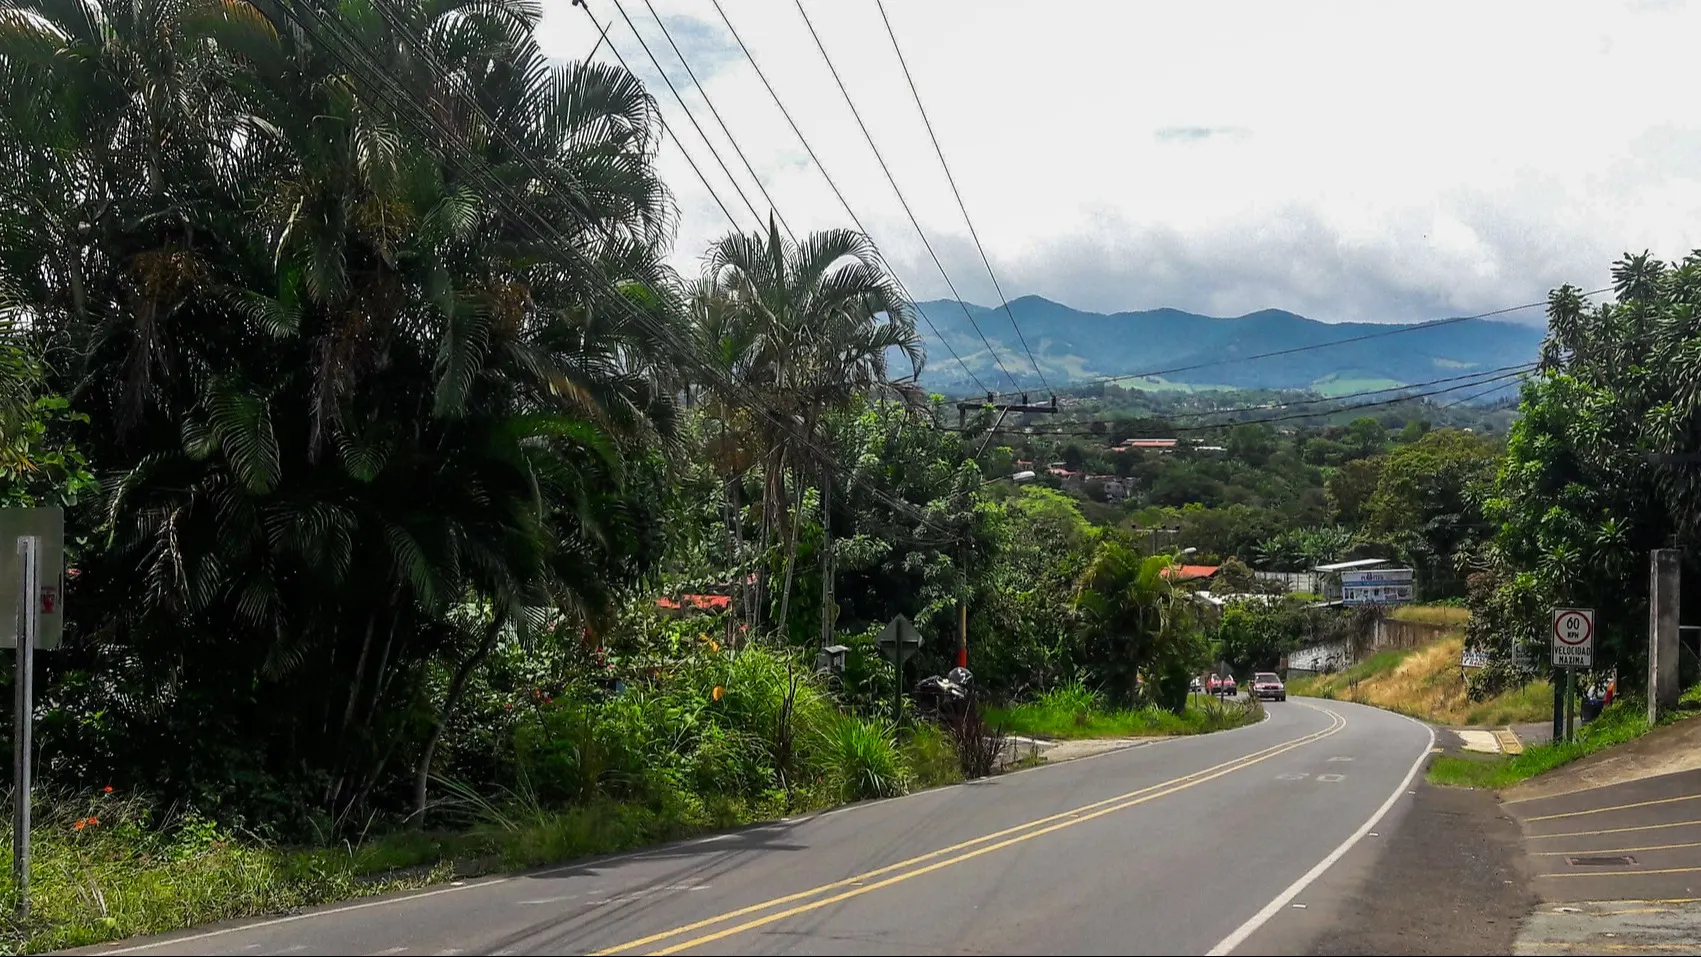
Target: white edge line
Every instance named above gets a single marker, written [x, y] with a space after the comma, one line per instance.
[168, 940]
[1241, 933]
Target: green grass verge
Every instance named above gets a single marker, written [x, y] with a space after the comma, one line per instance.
[1624, 720]
[104, 868]
[1070, 714]
[120, 875]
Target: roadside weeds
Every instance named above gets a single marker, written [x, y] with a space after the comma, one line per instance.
[1624, 720]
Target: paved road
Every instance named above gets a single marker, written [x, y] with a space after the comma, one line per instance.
[1178, 847]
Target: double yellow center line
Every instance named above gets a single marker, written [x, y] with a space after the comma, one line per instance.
[955, 854]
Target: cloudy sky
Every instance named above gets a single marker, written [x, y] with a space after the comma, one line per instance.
[1369, 161]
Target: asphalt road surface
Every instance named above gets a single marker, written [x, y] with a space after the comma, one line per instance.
[1189, 846]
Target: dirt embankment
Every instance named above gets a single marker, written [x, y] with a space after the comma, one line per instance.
[1427, 682]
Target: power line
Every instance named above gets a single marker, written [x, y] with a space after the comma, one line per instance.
[1282, 406]
[682, 107]
[602, 38]
[1513, 372]
[1477, 395]
[973, 234]
[717, 115]
[900, 194]
[1394, 331]
[798, 132]
[503, 196]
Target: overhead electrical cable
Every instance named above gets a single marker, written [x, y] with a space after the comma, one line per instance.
[881, 159]
[424, 122]
[704, 93]
[822, 168]
[1003, 300]
[678, 98]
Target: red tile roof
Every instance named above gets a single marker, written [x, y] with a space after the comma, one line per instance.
[699, 602]
[1185, 572]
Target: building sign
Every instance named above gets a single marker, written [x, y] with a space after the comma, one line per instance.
[1376, 586]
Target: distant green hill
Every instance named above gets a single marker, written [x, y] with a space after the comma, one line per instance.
[1072, 346]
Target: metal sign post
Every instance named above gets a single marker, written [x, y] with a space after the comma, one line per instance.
[29, 631]
[899, 638]
[1573, 648]
[32, 617]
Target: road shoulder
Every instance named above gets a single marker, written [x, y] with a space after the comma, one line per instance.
[1444, 875]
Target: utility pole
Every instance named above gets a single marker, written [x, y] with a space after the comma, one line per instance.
[1665, 571]
[964, 408]
[1003, 409]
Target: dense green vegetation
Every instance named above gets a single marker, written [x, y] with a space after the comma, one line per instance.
[417, 508]
[1598, 471]
[423, 520]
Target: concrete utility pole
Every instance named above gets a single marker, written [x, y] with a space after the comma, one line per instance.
[1664, 577]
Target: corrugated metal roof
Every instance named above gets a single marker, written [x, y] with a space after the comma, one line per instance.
[1343, 566]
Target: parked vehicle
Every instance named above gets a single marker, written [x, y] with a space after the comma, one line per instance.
[949, 695]
[1193, 685]
[1268, 687]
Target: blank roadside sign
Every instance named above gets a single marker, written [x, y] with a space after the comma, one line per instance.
[47, 524]
[1573, 637]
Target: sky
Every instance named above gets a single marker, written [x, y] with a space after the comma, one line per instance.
[1387, 161]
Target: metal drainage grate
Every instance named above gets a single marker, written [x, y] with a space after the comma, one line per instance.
[1601, 861]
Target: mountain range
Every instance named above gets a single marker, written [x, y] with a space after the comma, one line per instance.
[1073, 346]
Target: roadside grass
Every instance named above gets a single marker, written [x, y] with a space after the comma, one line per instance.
[1432, 614]
[1074, 712]
[120, 874]
[1623, 721]
[1426, 682]
[103, 867]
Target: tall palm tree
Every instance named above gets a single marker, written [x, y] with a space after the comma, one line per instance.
[357, 386]
[808, 329]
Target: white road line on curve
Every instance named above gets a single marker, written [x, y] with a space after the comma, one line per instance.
[1241, 933]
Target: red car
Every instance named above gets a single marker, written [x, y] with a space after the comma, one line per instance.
[1220, 685]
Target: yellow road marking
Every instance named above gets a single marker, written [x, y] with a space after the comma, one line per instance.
[1662, 870]
[1336, 723]
[1065, 819]
[1618, 850]
[1616, 807]
[1615, 830]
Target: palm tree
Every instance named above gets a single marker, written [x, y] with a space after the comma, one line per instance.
[806, 331]
[356, 385]
[1140, 621]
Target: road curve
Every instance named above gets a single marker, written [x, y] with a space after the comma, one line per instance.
[1184, 846]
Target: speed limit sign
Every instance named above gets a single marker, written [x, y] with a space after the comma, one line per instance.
[1573, 637]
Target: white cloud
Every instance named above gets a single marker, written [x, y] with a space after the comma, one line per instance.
[1345, 160]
